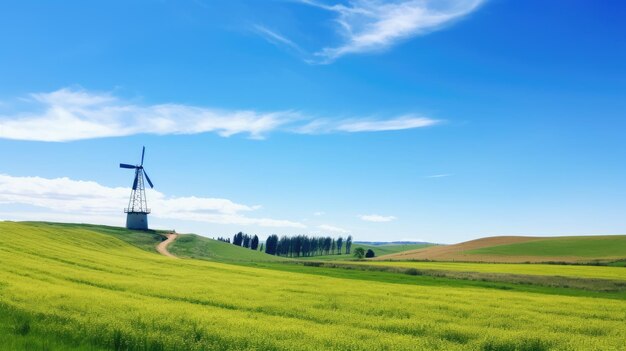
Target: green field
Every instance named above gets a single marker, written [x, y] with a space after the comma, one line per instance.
[613, 246]
[195, 246]
[72, 287]
[599, 272]
[386, 249]
[379, 250]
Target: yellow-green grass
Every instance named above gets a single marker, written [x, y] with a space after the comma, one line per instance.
[575, 271]
[75, 286]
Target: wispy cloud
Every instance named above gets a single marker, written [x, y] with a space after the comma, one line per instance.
[320, 126]
[276, 38]
[377, 218]
[373, 25]
[404, 122]
[64, 198]
[330, 228]
[318, 213]
[443, 175]
[73, 114]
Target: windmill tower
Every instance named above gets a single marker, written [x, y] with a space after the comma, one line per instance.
[137, 211]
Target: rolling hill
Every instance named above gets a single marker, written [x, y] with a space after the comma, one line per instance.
[196, 246]
[186, 246]
[200, 247]
[379, 250]
[518, 249]
[72, 287]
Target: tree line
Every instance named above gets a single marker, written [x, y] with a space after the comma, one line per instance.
[294, 246]
[306, 246]
[299, 245]
[247, 241]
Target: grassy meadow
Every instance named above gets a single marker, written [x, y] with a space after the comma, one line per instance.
[575, 271]
[379, 250]
[78, 288]
[595, 249]
[195, 246]
[613, 246]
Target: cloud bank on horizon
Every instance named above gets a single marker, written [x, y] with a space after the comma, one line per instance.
[68, 199]
[70, 114]
[375, 25]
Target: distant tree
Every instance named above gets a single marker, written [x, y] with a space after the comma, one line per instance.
[339, 245]
[306, 246]
[254, 244]
[370, 253]
[271, 245]
[312, 246]
[296, 245]
[327, 244]
[284, 246]
[348, 244]
[333, 247]
[261, 249]
[238, 239]
[246, 241]
[359, 252]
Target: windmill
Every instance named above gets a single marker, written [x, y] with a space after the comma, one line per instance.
[137, 211]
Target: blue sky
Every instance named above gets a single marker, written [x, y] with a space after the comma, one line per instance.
[426, 120]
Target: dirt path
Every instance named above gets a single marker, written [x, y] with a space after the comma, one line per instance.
[162, 247]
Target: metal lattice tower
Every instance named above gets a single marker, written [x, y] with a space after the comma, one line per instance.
[137, 202]
[137, 211]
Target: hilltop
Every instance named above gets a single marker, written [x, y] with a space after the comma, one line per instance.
[518, 249]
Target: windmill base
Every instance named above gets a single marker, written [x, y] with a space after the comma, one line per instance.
[137, 220]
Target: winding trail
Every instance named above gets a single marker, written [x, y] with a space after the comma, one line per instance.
[162, 247]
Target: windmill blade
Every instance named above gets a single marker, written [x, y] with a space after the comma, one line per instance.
[124, 165]
[148, 178]
[143, 152]
[135, 181]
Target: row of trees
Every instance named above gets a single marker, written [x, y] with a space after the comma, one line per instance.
[305, 246]
[245, 240]
[299, 245]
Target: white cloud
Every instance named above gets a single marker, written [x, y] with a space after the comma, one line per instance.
[74, 114]
[377, 218]
[404, 122]
[372, 25]
[443, 175]
[275, 38]
[65, 198]
[322, 126]
[318, 213]
[330, 228]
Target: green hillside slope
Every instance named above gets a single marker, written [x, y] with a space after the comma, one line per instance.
[388, 249]
[600, 247]
[187, 245]
[379, 250]
[74, 288]
[146, 240]
[195, 246]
